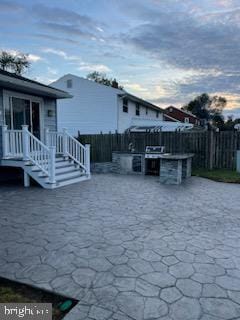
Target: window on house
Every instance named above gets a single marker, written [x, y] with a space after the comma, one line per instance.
[186, 120]
[137, 109]
[125, 105]
[69, 83]
[146, 110]
[157, 114]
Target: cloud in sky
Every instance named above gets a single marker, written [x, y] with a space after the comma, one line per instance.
[93, 67]
[78, 61]
[9, 6]
[168, 51]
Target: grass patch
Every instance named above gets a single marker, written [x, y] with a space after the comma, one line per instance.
[220, 175]
[15, 292]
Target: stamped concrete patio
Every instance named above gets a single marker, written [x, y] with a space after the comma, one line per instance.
[127, 247]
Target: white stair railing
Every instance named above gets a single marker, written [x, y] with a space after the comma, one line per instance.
[54, 138]
[77, 152]
[70, 147]
[39, 154]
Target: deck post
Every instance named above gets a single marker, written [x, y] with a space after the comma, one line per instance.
[87, 154]
[5, 146]
[25, 142]
[52, 175]
[64, 142]
[47, 142]
[26, 180]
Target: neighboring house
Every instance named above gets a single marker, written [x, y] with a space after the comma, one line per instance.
[97, 108]
[181, 115]
[29, 137]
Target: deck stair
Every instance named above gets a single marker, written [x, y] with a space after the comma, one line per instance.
[61, 161]
[66, 172]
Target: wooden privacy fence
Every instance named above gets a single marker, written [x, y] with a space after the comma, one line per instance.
[211, 149]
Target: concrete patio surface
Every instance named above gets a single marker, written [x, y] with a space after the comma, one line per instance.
[127, 247]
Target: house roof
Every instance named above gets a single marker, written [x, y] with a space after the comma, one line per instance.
[184, 111]
[139, 100]
[171, 118]
[12, 81]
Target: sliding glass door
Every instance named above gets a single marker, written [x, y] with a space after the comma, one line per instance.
[21, 111]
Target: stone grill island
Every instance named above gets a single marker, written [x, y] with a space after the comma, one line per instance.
[175, 167]
[171, 168]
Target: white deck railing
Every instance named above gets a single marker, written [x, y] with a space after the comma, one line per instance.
[22, 144]
[13, 143]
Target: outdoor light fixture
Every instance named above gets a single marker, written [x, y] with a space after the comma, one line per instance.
[50, 113]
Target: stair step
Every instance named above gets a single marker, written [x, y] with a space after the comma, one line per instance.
[68, 175]
[68, 172]
[57, 159]
[65, 182]
[66, 168]
[63, 163]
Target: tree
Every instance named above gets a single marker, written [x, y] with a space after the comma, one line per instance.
[217, 121]
[217, 105]
[16, 63]
[103, 79]
[208, 108]
[199, 106]
[21, 63]
[6, 60]
[230, 123]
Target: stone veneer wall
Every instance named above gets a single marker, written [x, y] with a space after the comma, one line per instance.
[121, 163]
[170, 171]
[102, 167]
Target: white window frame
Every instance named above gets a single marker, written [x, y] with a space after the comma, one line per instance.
[137, 109]
[125, 105]
[69, 81]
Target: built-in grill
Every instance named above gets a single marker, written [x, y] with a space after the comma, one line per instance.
[152, 159]
[153, 152]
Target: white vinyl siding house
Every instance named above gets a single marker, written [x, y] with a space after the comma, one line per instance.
[147, 116]
[93, 108]
[97, 108]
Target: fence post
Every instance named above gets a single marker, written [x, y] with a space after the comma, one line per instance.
[47, 140]
[238, 161]
[87, 154]
[211, 149]
[64, 142]
[52, 176]
[25, 142]
[5, 142]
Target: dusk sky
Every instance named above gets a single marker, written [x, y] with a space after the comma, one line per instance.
[166, 51]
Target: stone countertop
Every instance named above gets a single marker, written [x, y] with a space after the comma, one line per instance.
[128, 152]
[176, 156]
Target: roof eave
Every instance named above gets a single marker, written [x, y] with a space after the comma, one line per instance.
[137, 99]
[12, 83]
